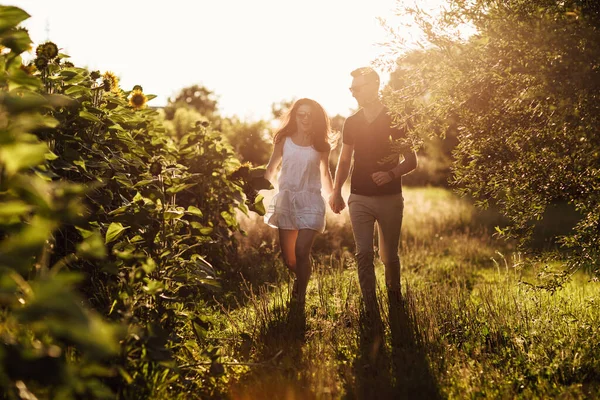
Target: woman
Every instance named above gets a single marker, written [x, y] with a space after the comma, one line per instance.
[302, 147]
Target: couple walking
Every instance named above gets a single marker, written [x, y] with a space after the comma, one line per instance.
[298, 209]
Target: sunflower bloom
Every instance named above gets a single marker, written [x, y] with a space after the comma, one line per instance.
[138, 99]
[110, 82]
[41, 62]
[48, 50]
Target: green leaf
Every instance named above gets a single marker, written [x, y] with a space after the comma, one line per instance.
[153, 287]
[80, 163]
[17, 250]
[20, 78]
[194, 211]
[18, 156]
[258, 206]
[174, 213]
[89, 116]
[258, 172]
[27, 122]
[115, 230]
[54, 308]
[92, 247]
[24, 101]
[78, 91]
[201, 327]
[229, 218]
[125, 375]
[59, 100]
[149, 265]
[260, 183]
[119, 211]
[14, 208]
[10, 17]
[178, 188]
[144, 182]
[116, 127]
[74, 80]
[50, 156]
[207, 230]
[18, 41]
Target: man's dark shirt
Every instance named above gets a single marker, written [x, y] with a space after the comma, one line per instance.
[372, 143]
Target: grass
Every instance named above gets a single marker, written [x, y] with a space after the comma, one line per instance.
[471, 323]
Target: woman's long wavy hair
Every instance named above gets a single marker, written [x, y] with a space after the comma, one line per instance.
[321, 135]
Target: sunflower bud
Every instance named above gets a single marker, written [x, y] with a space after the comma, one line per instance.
[106, 85]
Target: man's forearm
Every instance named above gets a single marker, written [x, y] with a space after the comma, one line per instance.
[341, 174]
[408, 165]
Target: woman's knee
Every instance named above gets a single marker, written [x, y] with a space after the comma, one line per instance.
[289, 262]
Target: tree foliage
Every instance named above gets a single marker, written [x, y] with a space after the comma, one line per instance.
[196, 97]
[522, 95]
[251, 141]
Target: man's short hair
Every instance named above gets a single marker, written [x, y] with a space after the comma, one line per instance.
[369, 73]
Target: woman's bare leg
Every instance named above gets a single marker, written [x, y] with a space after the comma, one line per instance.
[287, 242]
[304, 243]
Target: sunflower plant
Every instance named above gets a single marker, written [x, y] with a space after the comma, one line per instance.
[98, 197]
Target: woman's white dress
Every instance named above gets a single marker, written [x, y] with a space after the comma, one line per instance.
[299, 203]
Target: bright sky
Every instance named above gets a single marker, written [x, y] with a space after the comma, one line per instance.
[251, 53]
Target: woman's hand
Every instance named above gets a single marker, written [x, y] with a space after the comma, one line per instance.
[336, 202]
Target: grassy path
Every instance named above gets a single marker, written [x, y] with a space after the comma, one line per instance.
[468, 325]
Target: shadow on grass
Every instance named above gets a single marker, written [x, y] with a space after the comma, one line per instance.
[403, 372]
[281, 343]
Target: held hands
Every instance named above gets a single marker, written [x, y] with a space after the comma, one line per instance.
[381, 177]
[336, 202]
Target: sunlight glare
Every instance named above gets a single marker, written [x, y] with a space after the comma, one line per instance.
[251, 54]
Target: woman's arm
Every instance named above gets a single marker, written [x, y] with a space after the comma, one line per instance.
[274, 162]
[326, 181]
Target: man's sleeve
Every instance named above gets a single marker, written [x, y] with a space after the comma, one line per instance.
[347, 135]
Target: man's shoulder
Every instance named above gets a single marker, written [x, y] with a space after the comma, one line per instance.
[356, 115]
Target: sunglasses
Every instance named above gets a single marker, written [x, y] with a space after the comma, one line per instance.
[358, 88]
[302, 115]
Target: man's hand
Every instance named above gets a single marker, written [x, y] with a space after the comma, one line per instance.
[381, 178]
[336, 202]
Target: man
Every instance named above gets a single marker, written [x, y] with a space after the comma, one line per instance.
[376, 186]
